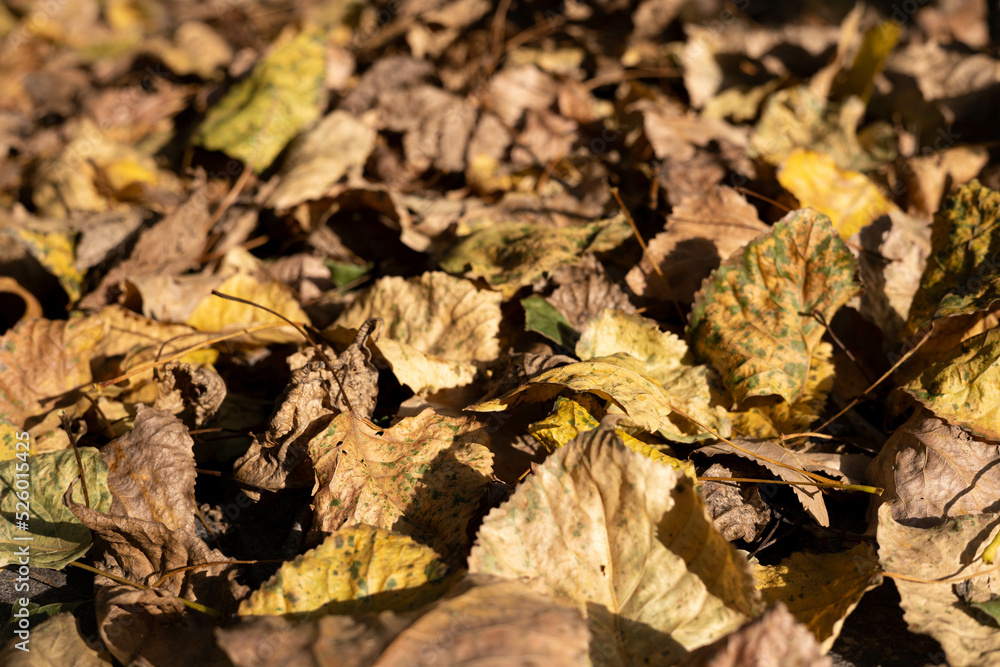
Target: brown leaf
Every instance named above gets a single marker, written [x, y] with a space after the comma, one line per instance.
[810, 497]
[195, 394]
[699, 233]
[55, 643]
[482, 620]
[151, 471]
[774, 637]
[585, 290]
[423, 477]
[280, 459]
[932, 471]
[145, 624]
[737, 512]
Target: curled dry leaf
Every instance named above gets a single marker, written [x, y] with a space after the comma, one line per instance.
[479, 620]
[737, 512]
[585, 290]
[626, 541]
[753, 316]
[142, 625]
[810, 497]
[821, 590]
[948, 549]
[773, 638]
[313, 396]
[151, 471]
[436, 328]
[423, 477]
[357, 569]
[193, 393]
[932, 471]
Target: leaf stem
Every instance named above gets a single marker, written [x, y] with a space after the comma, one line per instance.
[122, 580]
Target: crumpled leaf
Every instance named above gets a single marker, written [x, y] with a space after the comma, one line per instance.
[144, 624]
[436, 328]
[961, 276]
[261, 114]
[821, 589]
[699, 233]
[666, 360]
[937, 609]
[151, 471]
[848, 198]
[584, 290]
[753, 316]
[57, 643]
[421, 478]
[739, 513]
[627, 542]
[932, 471]
[280, 459]
[774, 637]
[357, 569]
[337, 145]
[57, 538]
[511, 255]
[479, 619]
[619, 378]
[810, 497]
[193, 393]
[964, 388]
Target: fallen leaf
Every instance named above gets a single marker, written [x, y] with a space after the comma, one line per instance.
[421, 478]
[569, 418]
[942, 551]
[511, 255]
[542, 317]
[436, 328]
[195, 394]
[619, 378]
[313, 396]
[821, 589]
[57, 641]
[848, 198]
[151, 471]
[737, 513]
[699, 233]
[357, 569]
[961, 275]
[55, 251]
[811, 497]
[281, 97]
[665, 358]
[56, 537]
[584, 290]
[774, 636]
[338, 144]
[753, 316]
[932, 471]
[626, 541]
[480, 619]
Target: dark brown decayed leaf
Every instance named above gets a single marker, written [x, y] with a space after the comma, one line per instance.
[193, 393]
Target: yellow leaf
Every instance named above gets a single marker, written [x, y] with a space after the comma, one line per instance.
[570, 418]
[848, 198]
[358, 569]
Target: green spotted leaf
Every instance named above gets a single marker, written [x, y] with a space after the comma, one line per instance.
[355, 570]
[962, 275]
[753, 316]
[964, 388]
[511, 255]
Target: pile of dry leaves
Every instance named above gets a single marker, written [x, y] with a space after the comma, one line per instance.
[332, 332]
